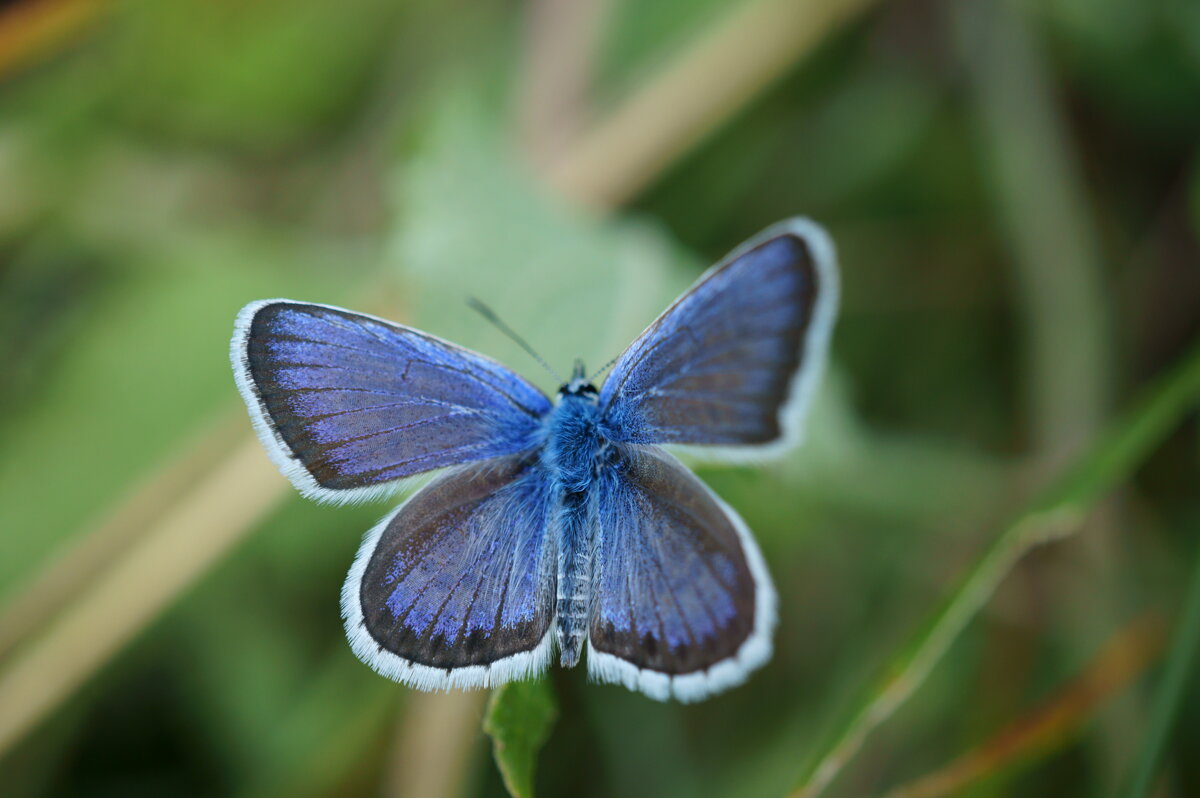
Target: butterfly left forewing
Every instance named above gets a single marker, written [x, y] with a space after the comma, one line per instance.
[347, 405]
[456, 587]
[683, 606]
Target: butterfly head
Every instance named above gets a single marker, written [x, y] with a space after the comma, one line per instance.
[579, 384]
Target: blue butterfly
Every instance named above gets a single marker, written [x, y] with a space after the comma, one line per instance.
[556, 525]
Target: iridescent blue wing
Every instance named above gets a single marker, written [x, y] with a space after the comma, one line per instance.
[682, 604]
[347, 404]
[734, 362]
[456, 587]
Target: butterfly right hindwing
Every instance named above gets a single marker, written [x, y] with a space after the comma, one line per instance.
[683, 605]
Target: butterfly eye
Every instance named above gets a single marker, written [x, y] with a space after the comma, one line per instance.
[577, 388]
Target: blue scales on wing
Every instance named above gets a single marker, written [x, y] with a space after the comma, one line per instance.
[347, 402]
[460, 580]
[720, 366]
[680, 590]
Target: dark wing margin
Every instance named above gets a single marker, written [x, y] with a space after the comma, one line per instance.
[456, 587]
[733, 363]
[683, 606]
[347, 404]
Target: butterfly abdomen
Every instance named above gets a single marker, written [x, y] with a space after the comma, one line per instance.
[574, 597]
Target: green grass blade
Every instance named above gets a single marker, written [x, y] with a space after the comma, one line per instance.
[1058, 513]
[519, 718]
[1181, 663]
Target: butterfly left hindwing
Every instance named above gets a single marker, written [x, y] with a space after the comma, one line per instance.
[455, 588]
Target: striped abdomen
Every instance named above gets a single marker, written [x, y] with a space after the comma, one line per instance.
[574, 576]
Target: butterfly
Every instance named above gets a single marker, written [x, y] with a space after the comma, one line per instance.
[552, 525]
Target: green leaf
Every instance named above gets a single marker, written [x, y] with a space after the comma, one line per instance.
[472, 223]
[518, 719]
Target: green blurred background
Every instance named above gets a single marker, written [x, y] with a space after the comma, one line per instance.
[1014, 190]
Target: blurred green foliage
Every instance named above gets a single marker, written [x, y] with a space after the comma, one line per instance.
[170, 162]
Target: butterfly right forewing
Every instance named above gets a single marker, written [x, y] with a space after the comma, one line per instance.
[733, 362]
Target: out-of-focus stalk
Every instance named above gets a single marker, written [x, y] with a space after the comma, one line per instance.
[692, 96]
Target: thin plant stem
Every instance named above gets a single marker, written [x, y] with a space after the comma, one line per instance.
[1052, 724]
[1059, 513]
[1180, 666]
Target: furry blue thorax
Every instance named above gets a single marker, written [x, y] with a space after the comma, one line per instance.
[572, 442]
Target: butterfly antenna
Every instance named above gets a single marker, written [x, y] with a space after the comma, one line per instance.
[491, 316]
[603, 368]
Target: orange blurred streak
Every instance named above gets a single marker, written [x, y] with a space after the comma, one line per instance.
[34, 29]
[1124, 656]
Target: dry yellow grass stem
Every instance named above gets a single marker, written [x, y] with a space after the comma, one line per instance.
[556, 75]
[70, 571]
[434, 742]
[691, 97]
[185, 540]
